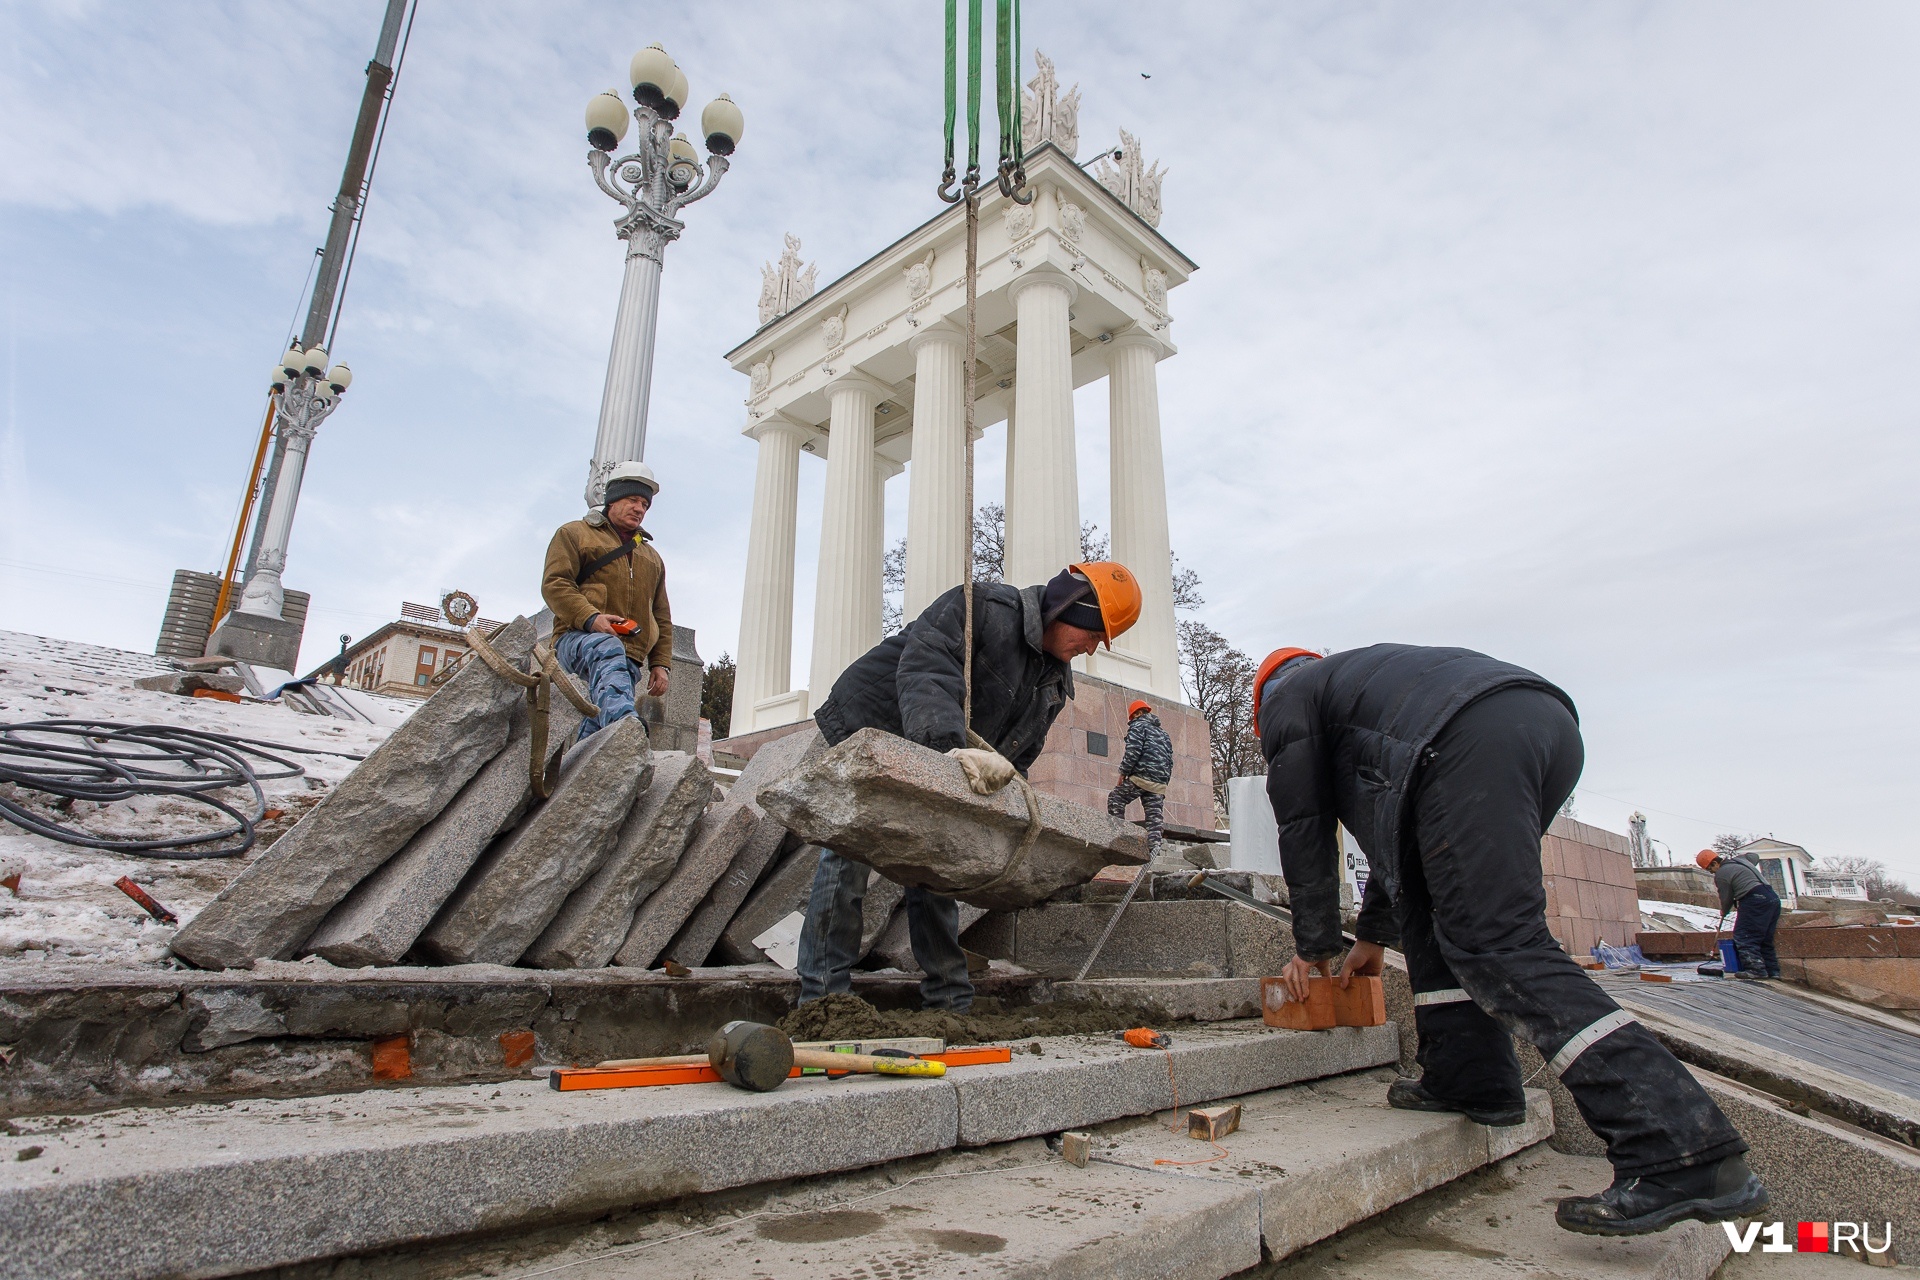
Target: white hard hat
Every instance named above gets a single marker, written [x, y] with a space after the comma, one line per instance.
[631, 477]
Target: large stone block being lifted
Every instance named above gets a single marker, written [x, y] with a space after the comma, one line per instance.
[906, 811]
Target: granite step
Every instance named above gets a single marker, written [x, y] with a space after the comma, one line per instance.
[1498, 1225]
[260, 1183]
[1307, 1162]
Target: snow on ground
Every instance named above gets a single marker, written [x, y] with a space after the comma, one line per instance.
[1681, 916]
[67, 907]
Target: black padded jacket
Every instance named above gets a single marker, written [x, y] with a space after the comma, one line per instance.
[911, 683]
[1344, 738]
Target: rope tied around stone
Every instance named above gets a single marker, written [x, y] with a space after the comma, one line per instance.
[1018, 857]
[544, 773]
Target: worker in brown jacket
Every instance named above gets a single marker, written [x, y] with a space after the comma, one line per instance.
[607, 588]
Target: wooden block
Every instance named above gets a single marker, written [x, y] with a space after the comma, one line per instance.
[1076, 1148]
[393, 1058]
[1362, 1004]
[1210, 1124]
[1655, 977]
[1276, 1010]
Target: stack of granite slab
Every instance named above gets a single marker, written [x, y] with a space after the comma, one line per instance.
[435, 850]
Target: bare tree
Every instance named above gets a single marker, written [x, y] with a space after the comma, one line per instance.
[1094, 544]
[990, 543]
[1186, 587]
[1728, 843]
[893, 581]
[1219, 682]
[1870, 872]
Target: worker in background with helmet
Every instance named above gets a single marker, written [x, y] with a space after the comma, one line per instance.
[1146, 769]
[1756, 907]
[1447, 766]
[607, 587]
[912, 684]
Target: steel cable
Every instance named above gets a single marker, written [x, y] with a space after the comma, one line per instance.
[102, 762]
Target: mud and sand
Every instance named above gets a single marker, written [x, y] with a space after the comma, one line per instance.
[848, 1017]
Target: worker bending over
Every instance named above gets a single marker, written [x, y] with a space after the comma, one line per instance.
[1447, 766]
[1146, 768]
[911, 684]
[1756, 909]
[607, 588]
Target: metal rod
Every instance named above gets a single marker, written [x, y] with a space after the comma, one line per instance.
[1139, 877]
[246, 512]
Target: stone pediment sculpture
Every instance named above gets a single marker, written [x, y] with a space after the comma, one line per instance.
[920, 277]
[833, 330]
[1128, 178]
[784, 286]
[1049, 115]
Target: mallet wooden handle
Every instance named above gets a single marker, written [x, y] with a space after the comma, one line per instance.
[827, 1060]
[672, 1060]
[823, 1059]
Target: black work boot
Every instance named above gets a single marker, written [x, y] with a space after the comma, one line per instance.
[1718, 1192]
[1409, 1094]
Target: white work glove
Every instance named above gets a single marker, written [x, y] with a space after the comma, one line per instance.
[987, 771]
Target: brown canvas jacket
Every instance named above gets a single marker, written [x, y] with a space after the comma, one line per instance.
[633, 586]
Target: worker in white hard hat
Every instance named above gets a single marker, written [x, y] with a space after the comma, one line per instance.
[607, 587]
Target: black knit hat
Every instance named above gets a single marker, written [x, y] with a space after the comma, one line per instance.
[1069, 598]
[627, 488]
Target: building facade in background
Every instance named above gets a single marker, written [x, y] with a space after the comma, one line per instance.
[410, 657]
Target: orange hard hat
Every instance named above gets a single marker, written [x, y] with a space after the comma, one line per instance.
[1706, 858]
[1118, 592]
[1269, 666]
[1135, 707]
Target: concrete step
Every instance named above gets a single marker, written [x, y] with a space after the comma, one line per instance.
[1307, 1162]
[262, 1183]
[1499, 1225]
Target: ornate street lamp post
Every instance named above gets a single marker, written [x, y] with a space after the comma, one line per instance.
[305, 391]
[661, 176]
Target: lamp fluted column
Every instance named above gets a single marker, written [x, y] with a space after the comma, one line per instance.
[938, 525]
[622, 436]
[1139, 501]
[846, 607]
[1043, 479]
[765, 657]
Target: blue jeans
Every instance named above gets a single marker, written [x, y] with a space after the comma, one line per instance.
[601, 660]
[830, 941]
[1755, 918]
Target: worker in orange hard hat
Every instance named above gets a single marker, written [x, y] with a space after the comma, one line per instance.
[1756, 907]
[911, 684]
[1446, 766]
[1146, 770]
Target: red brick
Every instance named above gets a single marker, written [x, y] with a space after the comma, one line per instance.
[393, 1058]
[516, 1048]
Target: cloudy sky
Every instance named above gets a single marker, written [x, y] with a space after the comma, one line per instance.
[1574, 334]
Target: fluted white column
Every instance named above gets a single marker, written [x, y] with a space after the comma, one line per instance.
[846, 606]
[938, 525]
[1139, 502]
[622, 436]
[1043, 479]
[765, 654]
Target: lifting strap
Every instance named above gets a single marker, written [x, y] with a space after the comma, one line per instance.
[544, 773]
[604, 559]
[1012, 180]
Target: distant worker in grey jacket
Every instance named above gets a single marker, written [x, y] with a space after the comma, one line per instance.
[1146, 768]
[1756, 910]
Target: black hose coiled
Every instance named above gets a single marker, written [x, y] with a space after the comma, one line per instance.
[102, 761]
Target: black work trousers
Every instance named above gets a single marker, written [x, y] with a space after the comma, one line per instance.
[1473, 925]
[1755, 917]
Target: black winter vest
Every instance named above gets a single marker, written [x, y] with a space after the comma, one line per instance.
[910, 684]
[1343, 738]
